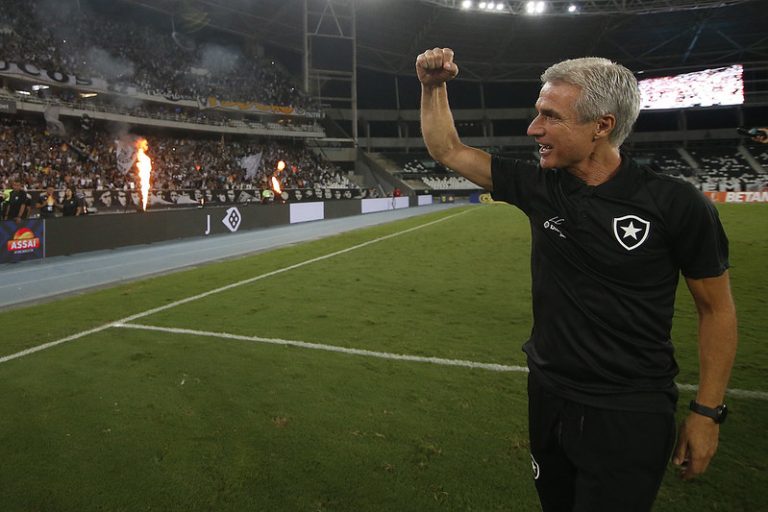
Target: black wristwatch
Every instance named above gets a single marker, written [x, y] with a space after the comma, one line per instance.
[718, 414]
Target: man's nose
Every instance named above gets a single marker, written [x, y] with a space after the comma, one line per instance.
[535, 129]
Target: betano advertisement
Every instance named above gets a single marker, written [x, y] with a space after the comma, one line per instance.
[738, 197]
[22, 241]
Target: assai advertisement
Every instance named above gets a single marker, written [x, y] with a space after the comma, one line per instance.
[22, 241]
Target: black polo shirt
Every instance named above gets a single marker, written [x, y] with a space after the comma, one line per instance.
[605, 262]
[17, 198]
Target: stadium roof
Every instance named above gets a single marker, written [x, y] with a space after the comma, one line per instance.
[507, 45]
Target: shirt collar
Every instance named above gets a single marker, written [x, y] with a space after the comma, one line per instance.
[622, 184]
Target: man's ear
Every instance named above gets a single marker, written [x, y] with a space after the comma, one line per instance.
[605, 125]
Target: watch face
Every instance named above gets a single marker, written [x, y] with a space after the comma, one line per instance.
[722, 413]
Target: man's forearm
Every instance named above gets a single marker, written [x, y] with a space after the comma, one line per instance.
[437, 126]
[717, 351]
[435, 68]
[717, 335]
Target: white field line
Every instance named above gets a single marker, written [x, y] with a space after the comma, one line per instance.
[331, 348]
[50, 344]
[740, 393]
[170, 305]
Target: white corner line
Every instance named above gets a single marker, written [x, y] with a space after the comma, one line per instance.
[170, 305]
[331, 348]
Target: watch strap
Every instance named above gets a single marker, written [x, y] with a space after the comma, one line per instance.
[718, 414]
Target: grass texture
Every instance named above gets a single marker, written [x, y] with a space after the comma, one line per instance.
[136, 420]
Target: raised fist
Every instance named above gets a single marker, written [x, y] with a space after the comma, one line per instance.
[436, 66]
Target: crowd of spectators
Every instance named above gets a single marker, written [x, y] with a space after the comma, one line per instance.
[71, 37]
[83, 159]
[133, 55]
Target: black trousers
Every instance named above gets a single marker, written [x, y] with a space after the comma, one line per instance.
[587, 459]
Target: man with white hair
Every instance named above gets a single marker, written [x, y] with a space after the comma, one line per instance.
[609, 241]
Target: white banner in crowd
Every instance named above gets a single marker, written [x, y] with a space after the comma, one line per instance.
[32, 73]
[125, 151]
[52, 120]
[251, 164]
[42, 76]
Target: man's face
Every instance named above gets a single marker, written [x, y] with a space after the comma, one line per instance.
[564, 141]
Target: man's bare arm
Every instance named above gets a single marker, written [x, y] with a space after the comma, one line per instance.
[434, 68]
[698, 438]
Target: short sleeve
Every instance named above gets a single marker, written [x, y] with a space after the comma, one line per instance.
[513, 181]
[699, 242]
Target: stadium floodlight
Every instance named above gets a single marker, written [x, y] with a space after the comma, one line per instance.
[490, 6]
[535, 7]
[586, 7]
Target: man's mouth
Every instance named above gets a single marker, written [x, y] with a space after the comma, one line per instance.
[545, 149]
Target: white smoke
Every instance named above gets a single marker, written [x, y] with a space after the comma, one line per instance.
[101, 63]
[219, 60]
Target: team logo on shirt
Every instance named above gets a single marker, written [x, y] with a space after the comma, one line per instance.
[630, 231]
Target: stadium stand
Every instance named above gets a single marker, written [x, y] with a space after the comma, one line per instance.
[40, 158]
[420, 172]
[59, 36]
[138, 61]
[724, 169]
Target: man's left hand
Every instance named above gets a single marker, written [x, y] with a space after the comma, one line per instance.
[696, 445]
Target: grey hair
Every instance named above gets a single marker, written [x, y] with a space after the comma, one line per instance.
[606, 88]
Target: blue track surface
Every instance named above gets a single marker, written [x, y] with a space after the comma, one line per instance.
[32, 281]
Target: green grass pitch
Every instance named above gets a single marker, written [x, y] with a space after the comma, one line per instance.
[127, 419]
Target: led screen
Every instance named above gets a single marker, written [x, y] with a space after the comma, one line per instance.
[716, 86]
